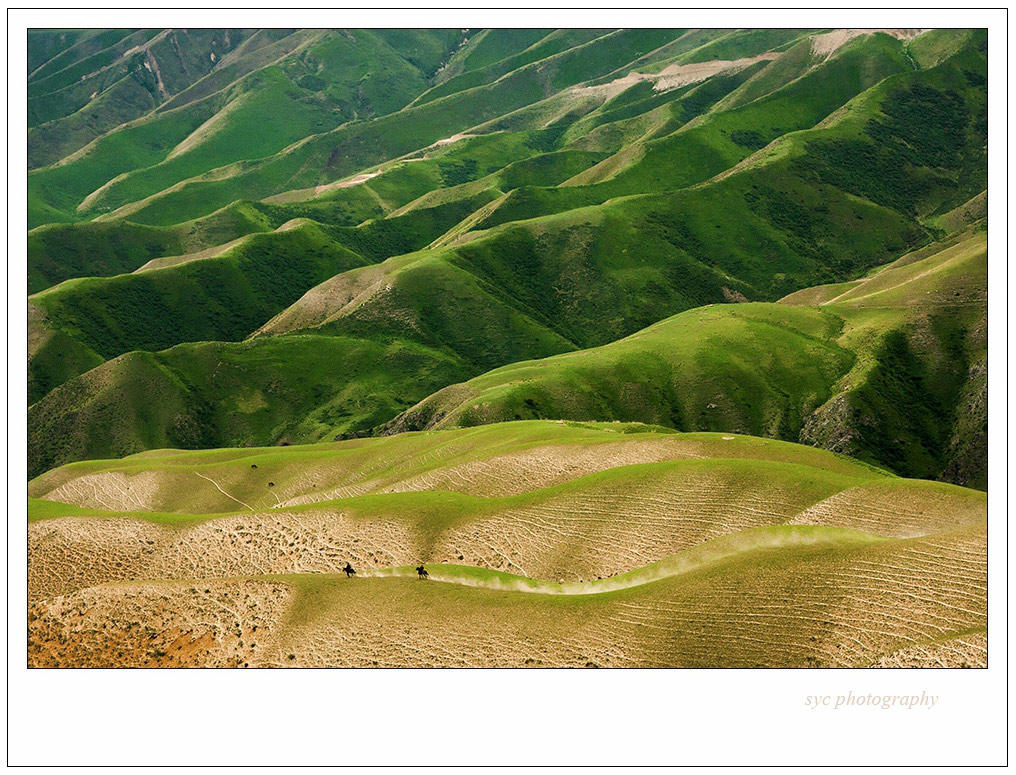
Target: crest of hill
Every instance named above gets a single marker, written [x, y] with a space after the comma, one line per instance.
[785, 371]
[564, 68]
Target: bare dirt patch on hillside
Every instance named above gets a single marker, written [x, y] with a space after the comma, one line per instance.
[302, 194]
[535, 469]
[674, 76]
[616, 527]
[964, 651]
[212, 252]
[897, 602]
[69, 554]
[220, 623]
[110, 490]
[898, 511]
[825, 45]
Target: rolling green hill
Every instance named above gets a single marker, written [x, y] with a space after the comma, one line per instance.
[478, 252]
[882, 369]
[213, 394]
[306, 81]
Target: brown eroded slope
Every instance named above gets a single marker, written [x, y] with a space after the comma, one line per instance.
[848, 603]
[642, 548]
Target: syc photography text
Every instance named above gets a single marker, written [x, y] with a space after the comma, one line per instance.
[883, 701]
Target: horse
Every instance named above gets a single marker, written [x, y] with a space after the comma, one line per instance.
[421, 572]
[348, 570]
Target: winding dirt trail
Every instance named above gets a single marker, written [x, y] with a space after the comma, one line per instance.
[709, 553]
[249, 508]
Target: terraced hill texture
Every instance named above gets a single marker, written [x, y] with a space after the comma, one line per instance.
[546, 544]
[657, 347]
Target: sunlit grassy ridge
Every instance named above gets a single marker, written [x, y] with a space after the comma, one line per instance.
[873, 361]
[407, 455]
[602, 499]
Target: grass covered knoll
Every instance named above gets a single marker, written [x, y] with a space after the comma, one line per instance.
[747, 368]
[59, 252]
[889, 369]
[224, 298]
[892, 132]
[472, 461]
[54, 357]
[218, 394]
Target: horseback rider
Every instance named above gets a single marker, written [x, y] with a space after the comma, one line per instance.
[348, 570]
[421, 572]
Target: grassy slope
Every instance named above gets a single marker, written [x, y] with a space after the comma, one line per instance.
[365, 465]
[903, 349]
[58, 252]
[917, 400]
[216, 299]
[97, 316]
[469, 307]
[333, 155]
[127, 80]
[593, 275]
[846, 61]
[341, 74]
[333, 80]
[217, 394]
[752, 368]
[721, 139]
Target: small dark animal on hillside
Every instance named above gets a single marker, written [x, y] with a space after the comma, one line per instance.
[253, 465]
[421, 572]
[348, 570]
[271, 484]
